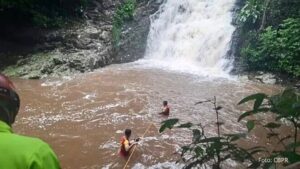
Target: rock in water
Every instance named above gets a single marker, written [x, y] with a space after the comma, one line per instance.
[266, 78]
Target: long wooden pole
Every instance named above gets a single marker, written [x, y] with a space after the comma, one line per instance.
[136, 146]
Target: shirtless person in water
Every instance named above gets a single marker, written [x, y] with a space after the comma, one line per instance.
[165, 109]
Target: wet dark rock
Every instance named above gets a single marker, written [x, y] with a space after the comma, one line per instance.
[86, 45]
[82, 43]
[47, 68]
[33, 76]
[267, 78]
[105, 36]
[57, 61]
[21, 62]
[94, 35]
[133, 40]
[54, 37]
[181, 9]
[108, 4]
[233, 53]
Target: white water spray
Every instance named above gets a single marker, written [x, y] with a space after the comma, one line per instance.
[192, 36]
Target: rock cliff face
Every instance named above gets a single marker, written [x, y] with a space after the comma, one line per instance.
[84, 46]
[134, 34]
[238, 66]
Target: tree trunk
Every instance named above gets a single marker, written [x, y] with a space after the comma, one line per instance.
[264, 18]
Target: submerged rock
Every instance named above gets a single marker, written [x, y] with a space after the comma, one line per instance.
[243, 78]
[266, 78]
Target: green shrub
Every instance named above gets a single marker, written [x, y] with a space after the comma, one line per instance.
[270, 35]
[214, 150]
[210, 151]
[123, 13]
[251, 11]
[285, 108]
[276, 49]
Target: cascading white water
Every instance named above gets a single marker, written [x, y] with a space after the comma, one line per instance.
[192, 35]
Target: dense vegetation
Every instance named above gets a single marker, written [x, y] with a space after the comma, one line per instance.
[214, 150]
[124, 12]
[270, 35]
[41, 13]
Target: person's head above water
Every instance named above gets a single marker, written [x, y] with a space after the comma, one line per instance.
[165, 103]
[9, 101]
[127, 133]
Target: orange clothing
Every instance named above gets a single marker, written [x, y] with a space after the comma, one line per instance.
[124, 142]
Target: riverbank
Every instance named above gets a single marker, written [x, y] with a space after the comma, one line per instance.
[240, 37]
[82, 46]
[85, 45]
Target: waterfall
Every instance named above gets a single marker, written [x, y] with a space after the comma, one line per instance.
[192, 35]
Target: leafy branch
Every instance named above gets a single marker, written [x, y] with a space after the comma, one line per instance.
[213, 150]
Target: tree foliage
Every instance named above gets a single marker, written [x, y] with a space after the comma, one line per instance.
[285, 107]
[124, 12]
[43, 13]
[276, 49]
[251, 11]
[271, 35]
[211, 150]
[214, 150]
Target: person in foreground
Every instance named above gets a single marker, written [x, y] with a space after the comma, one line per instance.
[165, 109]
[16, 151]
[127, 145]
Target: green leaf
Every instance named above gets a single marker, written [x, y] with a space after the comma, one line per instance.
[296, 106]
[218, 108]
[293, 145]
[168, 124]
[234, 137]
[198, 150]
[259, 97]
[186, 125]
[284, 104]
[252, 112]
[259, 101]
[200, 102]
[250, 125]
[269, 165]
[196, 135]
[272, 125]
[292, 156]
[255, 164]
[257, 148]
[185, 149]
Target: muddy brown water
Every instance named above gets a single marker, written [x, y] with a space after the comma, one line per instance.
[83, 117]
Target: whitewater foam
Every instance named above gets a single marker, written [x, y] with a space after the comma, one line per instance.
[191, 36]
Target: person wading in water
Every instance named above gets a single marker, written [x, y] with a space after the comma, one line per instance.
[127, 145]
[165, 109]
[19, 152]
